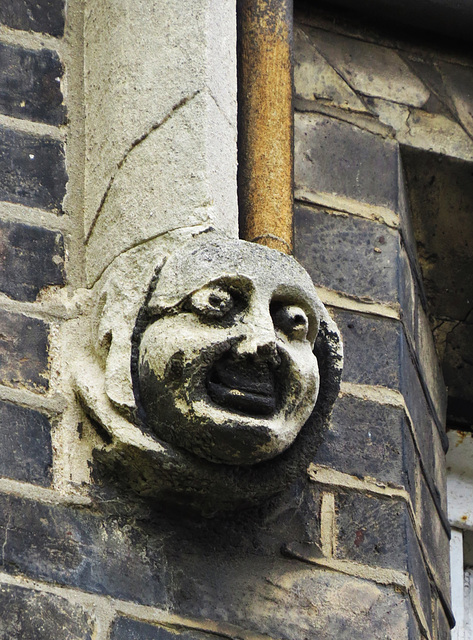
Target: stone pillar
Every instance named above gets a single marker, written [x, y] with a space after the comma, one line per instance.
[160, 122]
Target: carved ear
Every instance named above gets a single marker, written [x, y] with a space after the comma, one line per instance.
[122, 294]
[118, 382]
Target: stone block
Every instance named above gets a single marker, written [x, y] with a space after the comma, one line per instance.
[442, 621]
[128, 629]
[25, 445]
[414, 629]
[32, 259]
[427, 71]
[143, 201]
[30, 84]
[343, 161]
[298, 602]
[36, 615]
[73, 547]
[371, 348]
[440, 472]
[371, 530]
[32, 170]
[405, 216]
[429, 364]
[377, 531]
[315, 78]
[420, 411]
[371, 69]
[24, 350]
[458, 81]
[172, 134]
[435, 540]
[408, 297]
[126, 555]
[348, 254]
[367, 439]
[45, 16]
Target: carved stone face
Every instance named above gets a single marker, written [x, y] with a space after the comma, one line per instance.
[226, 368]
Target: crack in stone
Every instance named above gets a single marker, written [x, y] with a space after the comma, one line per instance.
[133, 145]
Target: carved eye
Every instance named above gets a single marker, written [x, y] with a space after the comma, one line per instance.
[291, 320]
[212, 301]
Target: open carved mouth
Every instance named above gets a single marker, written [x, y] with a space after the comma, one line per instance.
[244, 386]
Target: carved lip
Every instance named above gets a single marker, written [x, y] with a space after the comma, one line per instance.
[245, 387]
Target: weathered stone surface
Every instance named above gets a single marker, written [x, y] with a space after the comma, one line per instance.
[440, 472]
[35, 615]
[30, 84]
[420, 410]
[75, 548]
[25, 445]
[369, 439]
[223, 569]
[408, 295]
[372, 530]
[347, 253]
[161, 145]
[405, 216]
[442, 622]
[46, 16]
[419, 129]
[143, 201]
[371, 348]
[32, 170]
[24, 351]
[439, 186]
[436, 541]
[124, 555]
[428, 72]
[377, 531]
[429, 364]
[227, 353]
[315, 78]
[31, 258]
[336, 158]
[128, 629]
[371, 69]
[297, 602]
[458, 81]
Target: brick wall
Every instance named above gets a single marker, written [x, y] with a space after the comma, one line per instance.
[357, 549]
[362, 99]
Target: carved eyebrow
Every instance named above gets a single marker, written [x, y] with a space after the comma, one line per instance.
[162, 305]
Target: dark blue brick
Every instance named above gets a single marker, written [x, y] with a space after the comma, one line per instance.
[25, 444]
[35, 615]
[347, 253]
[341, 159]
[369, 439]
[24, 351]
[372, 348]
[30, 84]
[31, 258]
[377, 531]
[46, 16]
[32, 170]
[127, 629]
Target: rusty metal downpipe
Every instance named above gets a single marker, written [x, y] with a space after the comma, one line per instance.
[265, 122]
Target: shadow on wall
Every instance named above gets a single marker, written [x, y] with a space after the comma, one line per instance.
[440, 191]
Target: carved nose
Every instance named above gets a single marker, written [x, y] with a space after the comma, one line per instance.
[259, 339]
